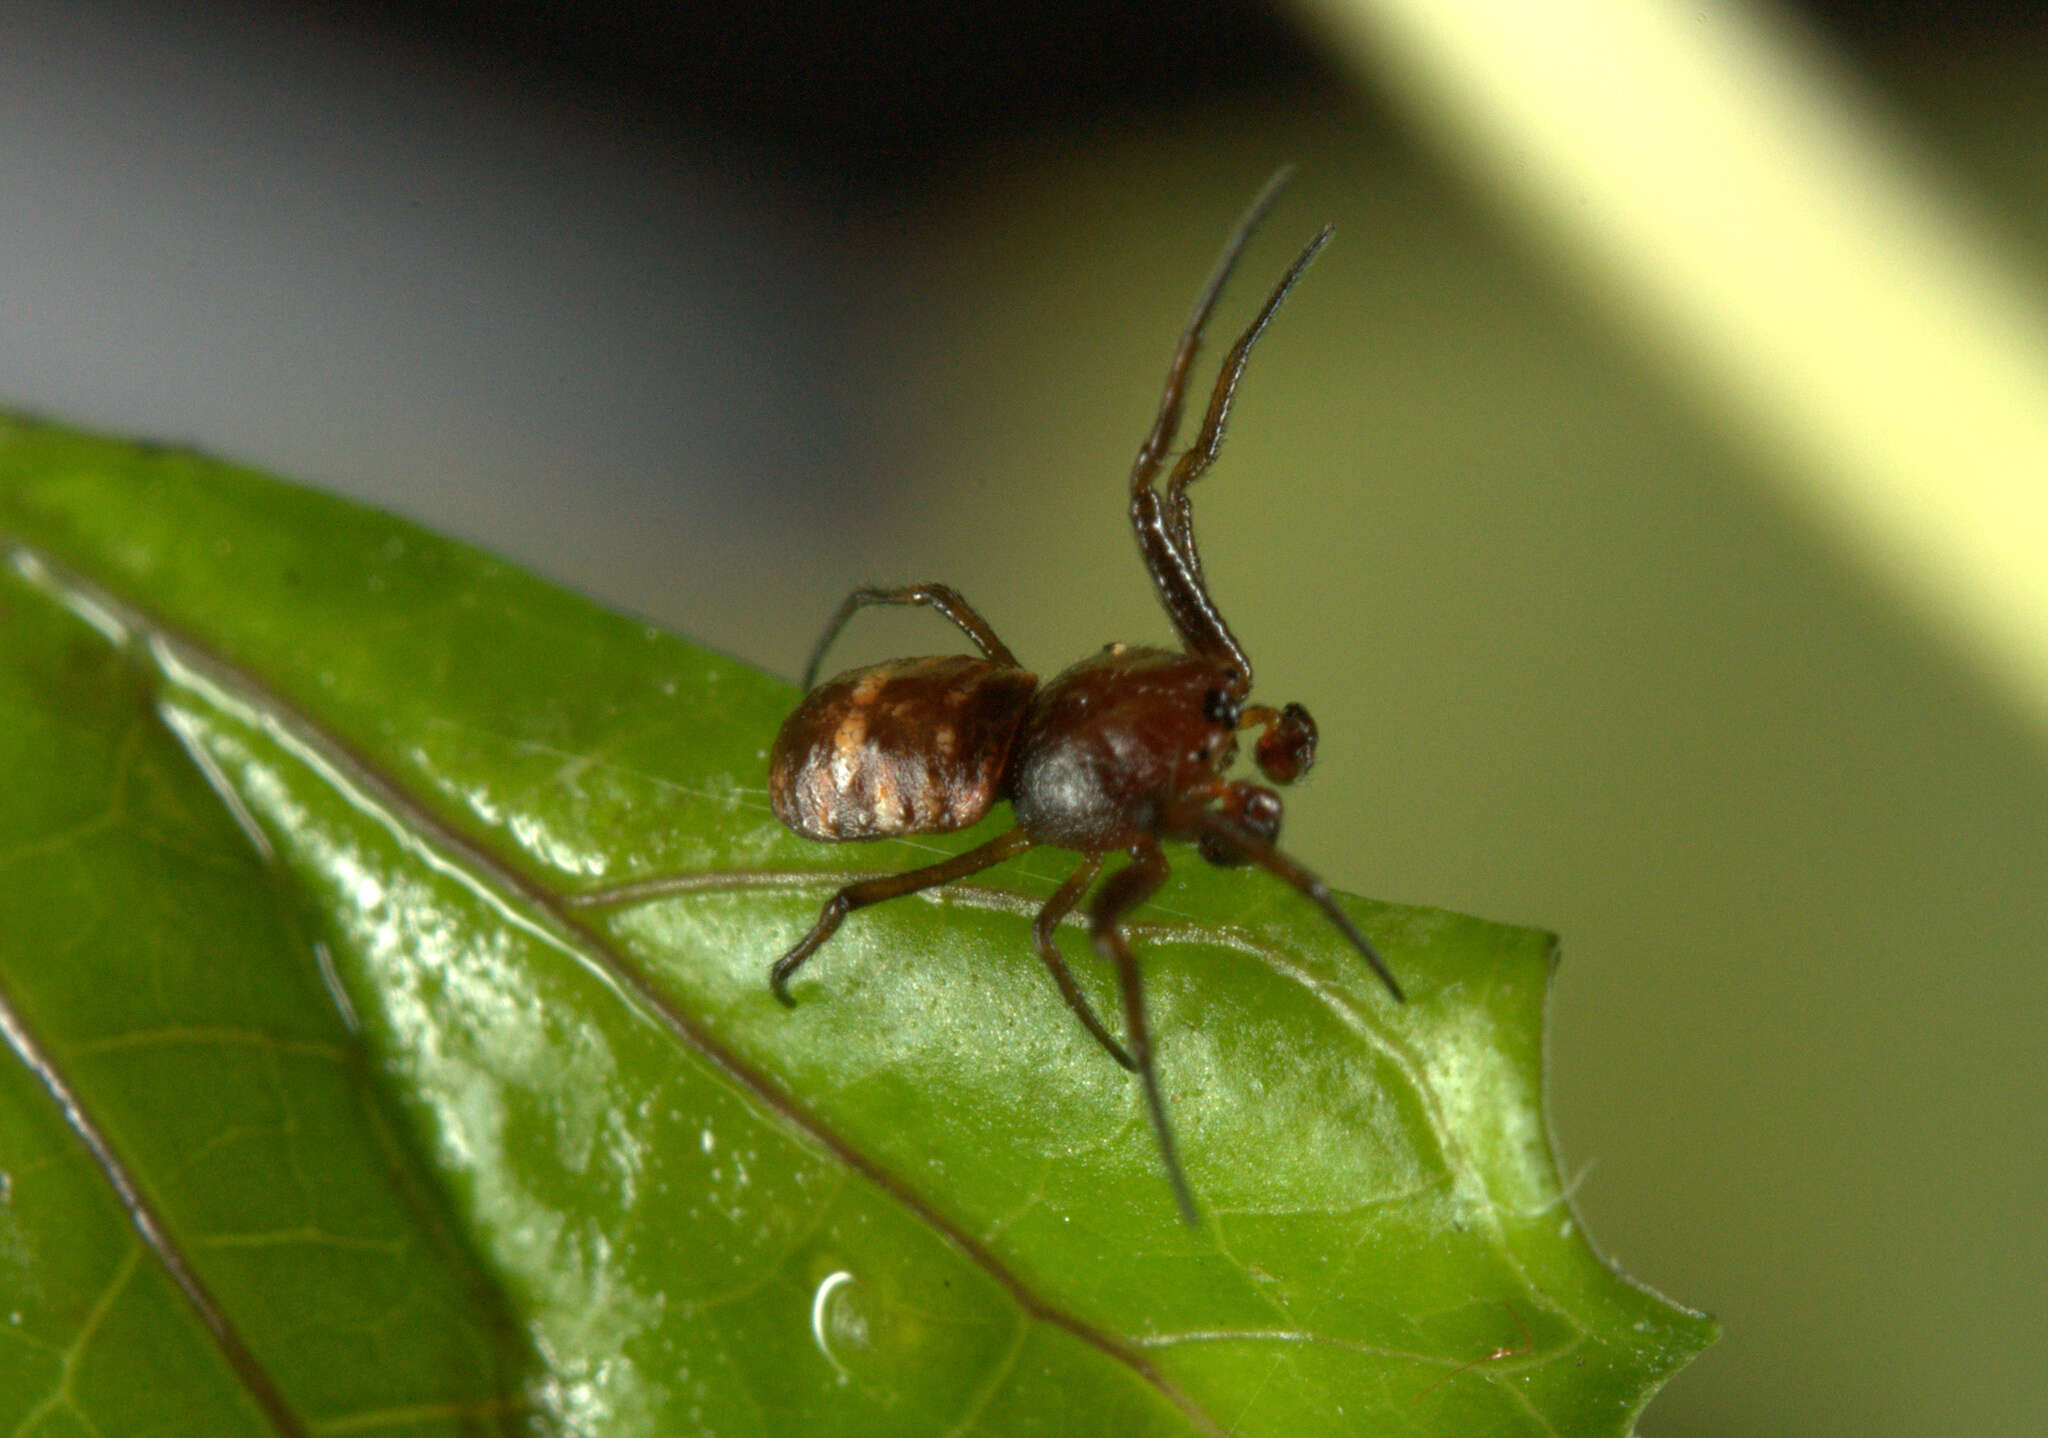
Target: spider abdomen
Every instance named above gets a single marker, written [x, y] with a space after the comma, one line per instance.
[913, 746]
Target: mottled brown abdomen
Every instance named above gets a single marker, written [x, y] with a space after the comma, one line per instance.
[914, 746]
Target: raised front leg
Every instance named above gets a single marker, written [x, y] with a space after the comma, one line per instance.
[1161, 517]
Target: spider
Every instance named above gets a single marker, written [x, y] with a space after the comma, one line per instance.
[1125, 749]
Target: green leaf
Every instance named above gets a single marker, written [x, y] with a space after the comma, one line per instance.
[384, 936]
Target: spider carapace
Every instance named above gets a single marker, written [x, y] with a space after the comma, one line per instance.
[1127, 748]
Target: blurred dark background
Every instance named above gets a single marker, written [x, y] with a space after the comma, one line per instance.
[715, 311]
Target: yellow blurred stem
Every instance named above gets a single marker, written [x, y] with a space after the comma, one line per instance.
[1754, 215]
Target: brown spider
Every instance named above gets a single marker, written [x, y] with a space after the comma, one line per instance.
[1124, 749]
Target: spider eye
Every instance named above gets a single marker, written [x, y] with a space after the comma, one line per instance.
[1218, 707]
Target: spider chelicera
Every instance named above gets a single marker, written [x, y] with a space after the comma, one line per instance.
[1125, 749]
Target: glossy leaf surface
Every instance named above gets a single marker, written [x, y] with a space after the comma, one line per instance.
[397, 926]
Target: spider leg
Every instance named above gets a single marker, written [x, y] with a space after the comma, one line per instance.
[1197, 822]
[1042, 927]
[1209, 441]
[1121, 892]
[1163, 519]
[943, 598]
[1153, 450]
[889, 886]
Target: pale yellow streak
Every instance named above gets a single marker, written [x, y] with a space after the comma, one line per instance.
[1781, 242]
